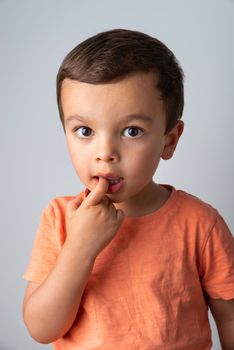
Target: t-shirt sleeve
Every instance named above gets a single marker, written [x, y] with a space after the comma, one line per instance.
[218, 262]
[45, 248]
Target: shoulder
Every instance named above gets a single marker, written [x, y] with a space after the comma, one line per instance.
[199, 215]
[194, 207]
[194, 215]
[53, 219]
[56, 208]
[205, 226]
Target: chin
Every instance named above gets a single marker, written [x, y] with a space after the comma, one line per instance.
[115, 198]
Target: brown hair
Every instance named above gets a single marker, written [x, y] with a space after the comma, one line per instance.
[114, 54]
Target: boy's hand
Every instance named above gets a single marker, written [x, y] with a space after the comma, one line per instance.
[92, 223]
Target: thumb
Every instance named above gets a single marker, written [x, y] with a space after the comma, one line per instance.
[74, 204]
[97, 195]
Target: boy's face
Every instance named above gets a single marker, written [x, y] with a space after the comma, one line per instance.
[116, 131]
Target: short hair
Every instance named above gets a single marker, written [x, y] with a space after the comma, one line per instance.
[113, 54]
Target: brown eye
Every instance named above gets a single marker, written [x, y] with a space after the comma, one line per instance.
[132, 132]
[84, 131]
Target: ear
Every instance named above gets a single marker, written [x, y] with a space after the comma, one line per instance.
[171, 140]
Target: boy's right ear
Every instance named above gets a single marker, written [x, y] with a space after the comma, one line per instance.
[171, 140]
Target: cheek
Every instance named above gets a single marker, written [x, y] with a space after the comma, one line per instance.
[145, 161]
[80, 159]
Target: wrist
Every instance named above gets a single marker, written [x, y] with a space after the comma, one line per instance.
[79, 251]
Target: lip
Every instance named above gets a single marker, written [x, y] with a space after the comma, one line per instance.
[109, 176]
[112, 187]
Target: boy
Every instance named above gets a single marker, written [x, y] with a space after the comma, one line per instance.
[128, 263]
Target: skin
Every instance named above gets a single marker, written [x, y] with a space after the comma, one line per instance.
[110, 148]
[100, 141]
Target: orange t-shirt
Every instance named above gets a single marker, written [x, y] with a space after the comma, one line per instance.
[147, 288]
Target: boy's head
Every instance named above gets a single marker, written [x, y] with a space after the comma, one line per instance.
[112, 55]
[120, 96]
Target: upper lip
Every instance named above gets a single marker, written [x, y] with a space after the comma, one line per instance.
[108, 176]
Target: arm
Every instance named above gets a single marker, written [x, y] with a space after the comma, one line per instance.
[223, 313]
[50, 309]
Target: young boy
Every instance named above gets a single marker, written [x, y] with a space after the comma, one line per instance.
[127, 264]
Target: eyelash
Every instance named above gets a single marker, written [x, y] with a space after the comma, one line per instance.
[80, 127]
[129, 127]
[136, 128]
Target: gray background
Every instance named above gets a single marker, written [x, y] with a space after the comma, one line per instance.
[34, 38]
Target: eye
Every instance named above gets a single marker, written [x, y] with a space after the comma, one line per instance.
[83, 131]
[132, 132]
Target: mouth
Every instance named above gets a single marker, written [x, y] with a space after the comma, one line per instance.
[115, 182]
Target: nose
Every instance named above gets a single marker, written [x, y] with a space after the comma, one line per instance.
[107, 150]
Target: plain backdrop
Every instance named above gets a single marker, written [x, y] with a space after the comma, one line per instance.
[35, 167]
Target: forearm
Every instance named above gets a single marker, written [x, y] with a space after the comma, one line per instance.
[51, 310]
[223, 313]
[226, 335]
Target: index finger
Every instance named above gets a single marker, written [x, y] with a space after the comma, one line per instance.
[96, 196]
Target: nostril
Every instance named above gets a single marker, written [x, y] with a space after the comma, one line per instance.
[107, 158]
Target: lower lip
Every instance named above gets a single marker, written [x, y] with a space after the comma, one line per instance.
[116, 187]
[113, 188]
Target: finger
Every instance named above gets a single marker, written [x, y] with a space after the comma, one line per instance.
[97, 195]
[74, 204]
[86, 193]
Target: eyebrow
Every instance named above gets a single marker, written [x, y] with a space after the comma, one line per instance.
[127, 118]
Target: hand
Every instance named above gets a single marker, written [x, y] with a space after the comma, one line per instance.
[92, 223]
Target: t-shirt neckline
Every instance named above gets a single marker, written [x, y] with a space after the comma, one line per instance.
[157, 213]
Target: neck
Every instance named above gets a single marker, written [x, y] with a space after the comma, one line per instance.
[150, 199]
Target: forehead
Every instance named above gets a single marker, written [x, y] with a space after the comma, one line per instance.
[136, 93]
